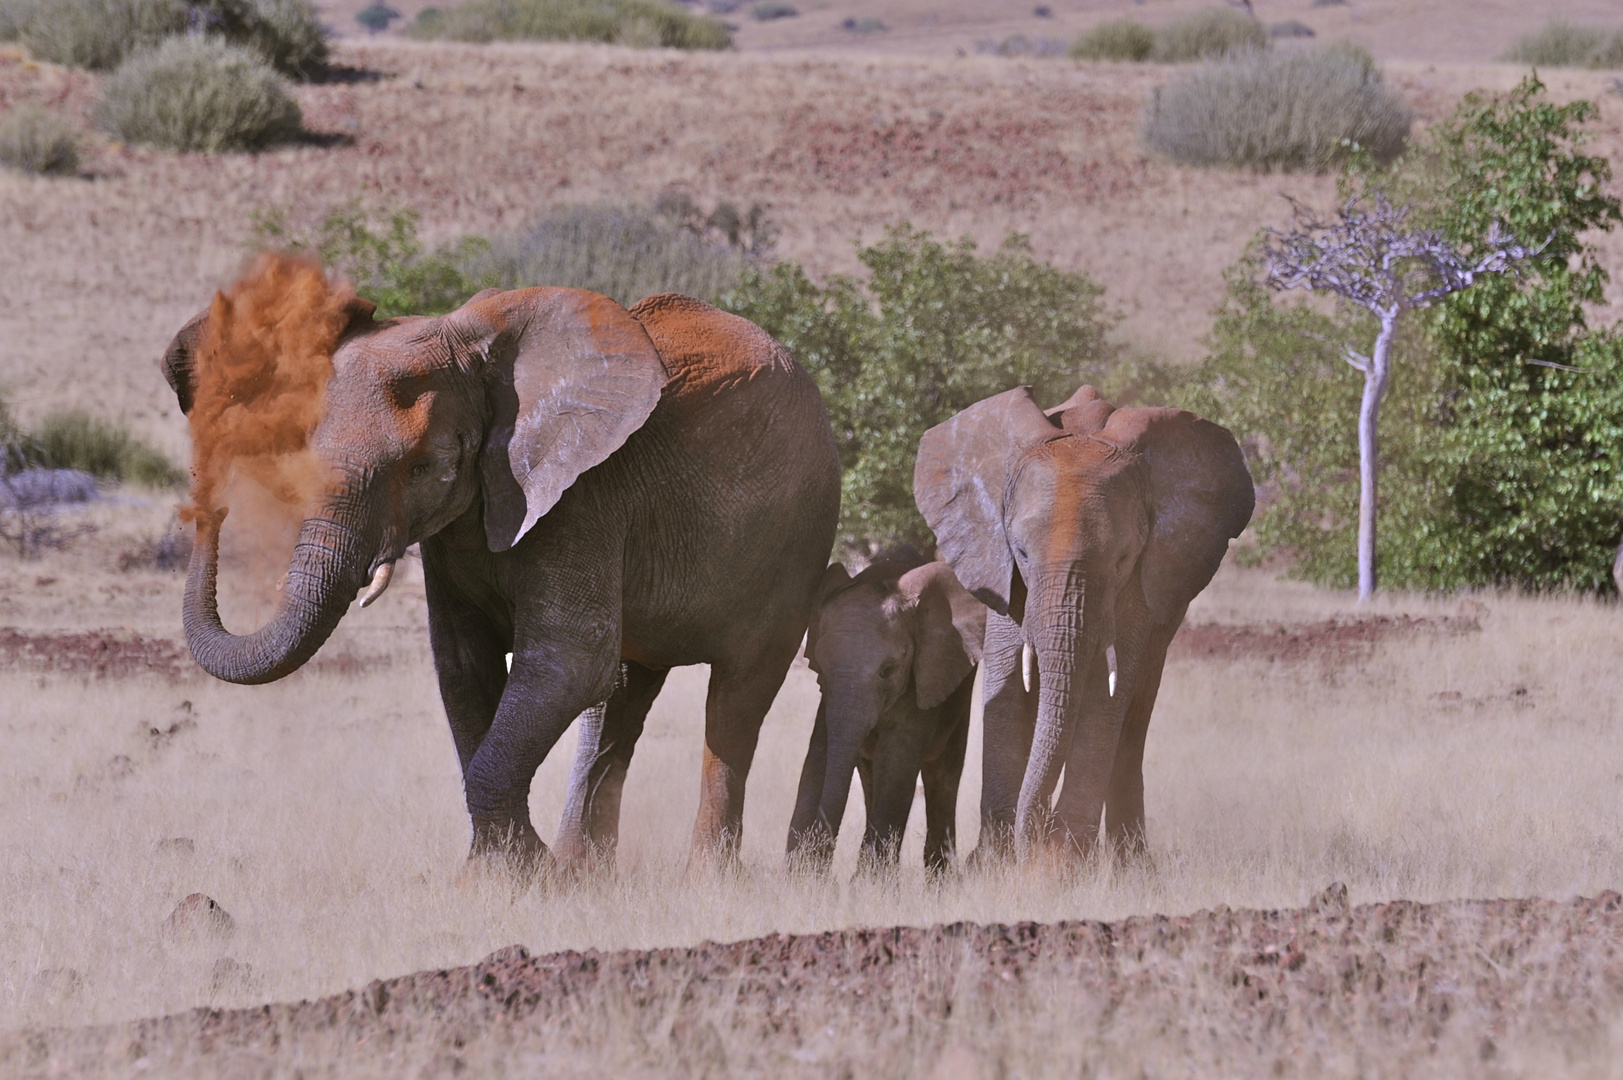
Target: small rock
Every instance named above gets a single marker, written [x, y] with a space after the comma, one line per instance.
[198, 916]
[506, 954]
[231, 974]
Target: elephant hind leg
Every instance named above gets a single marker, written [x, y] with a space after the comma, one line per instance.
[740, 695]
[941, 775]
[608, 737]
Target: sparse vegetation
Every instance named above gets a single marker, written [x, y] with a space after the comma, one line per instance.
[1208, 34]
[105, 449]
[641, 23]
[1290, 28]
[377, 18]
[287, 33]
[1278, 111]
[1564, 44]
[198, 94]
[865, 24]
[773, 9]
[934, 328]
[35, 140]
[1117, 39]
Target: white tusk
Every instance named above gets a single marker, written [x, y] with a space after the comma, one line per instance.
[380, 581]
[1110, 658]
[1028, 664]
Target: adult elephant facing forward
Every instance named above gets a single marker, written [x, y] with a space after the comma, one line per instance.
[605, 494]
[1087, 530]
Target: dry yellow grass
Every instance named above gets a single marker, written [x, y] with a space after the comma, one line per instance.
[324, 812]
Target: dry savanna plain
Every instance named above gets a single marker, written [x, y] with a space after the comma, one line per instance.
[1386, 840]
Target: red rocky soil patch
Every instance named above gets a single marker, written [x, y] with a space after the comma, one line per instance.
[94, 652]
[1334, 640]
[1326, 988]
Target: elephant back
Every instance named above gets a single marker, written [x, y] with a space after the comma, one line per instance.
[708, 352]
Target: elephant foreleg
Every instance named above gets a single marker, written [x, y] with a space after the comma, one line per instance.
[1010, 721]
[942, 774]
[469, 661]
[1124, 801]
[803, 827]
[608, 737]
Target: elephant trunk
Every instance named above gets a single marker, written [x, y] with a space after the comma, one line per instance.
[327, 567]
[850, 719]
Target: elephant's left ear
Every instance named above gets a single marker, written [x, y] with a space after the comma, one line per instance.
[1201, 497]
[950, 630]
[568, 376]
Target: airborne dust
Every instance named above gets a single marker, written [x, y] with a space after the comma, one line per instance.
[260, 378]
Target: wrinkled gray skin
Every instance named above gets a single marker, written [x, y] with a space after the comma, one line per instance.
[895, 650]
[1083, 529]
[605, 494]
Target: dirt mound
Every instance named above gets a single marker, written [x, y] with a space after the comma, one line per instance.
[1320, 989]
[96, 652]
[1333, 640]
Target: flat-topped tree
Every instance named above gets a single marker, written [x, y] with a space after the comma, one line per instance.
[1370, 258]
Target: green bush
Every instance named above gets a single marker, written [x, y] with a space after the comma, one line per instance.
[933, 328]
[1501, 465]
[623, 252]
[1117, 39]
[286, 33]
[380, 252]
[1564, 44]
[77, 440]
[96, 34]
[1208, 34]
[36, 141]
[642, 23]
[198, 94]
[1277, 111]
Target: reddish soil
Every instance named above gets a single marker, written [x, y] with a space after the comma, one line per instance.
[1334, 640]
[1285, 992]
[95, 652]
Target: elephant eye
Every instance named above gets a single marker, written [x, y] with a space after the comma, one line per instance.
[887, 669]
[421, 469]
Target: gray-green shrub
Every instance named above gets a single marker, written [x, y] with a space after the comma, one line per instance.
[1277, 111]
[286, 33]
[108, 449]
[198, 94]
[773, 9]
[1208, 34]
[641, 23]
[621, 251]
[13, 15]
[36, 141]
[96, 34]
[1564, 44]
[1118, 39]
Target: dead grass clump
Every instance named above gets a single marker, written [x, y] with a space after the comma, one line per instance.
[1268, 111]
[198, 94]
[96, 34]
[1208, 34]
[34, 140]
[1564, 44]
[1117, 39]
[638, 23]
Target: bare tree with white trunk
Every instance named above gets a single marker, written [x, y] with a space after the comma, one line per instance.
[1370, 258]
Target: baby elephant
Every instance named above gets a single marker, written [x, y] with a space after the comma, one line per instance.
[895, 650]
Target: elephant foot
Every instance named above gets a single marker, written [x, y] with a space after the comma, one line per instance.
[811, 854]
[714, 860]
[508, 847]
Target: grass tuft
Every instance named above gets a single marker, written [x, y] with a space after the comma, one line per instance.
[198, 94]
[1288, 112]
[1208, 34]
[106, 449]
[1118, 39]
[638, 23]
[1564, 44]
[95, 34]
[34, 140]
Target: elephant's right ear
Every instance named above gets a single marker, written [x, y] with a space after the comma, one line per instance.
[568, 376]
[835, 578]
[950, 630]
[180, 360]
[961, 483]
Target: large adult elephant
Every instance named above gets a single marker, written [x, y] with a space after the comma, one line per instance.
[605, 494]
[1087, 530]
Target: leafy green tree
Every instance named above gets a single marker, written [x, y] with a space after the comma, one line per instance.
[932, 329]
[1502, 447]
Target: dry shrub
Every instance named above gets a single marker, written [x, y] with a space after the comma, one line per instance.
[1564, 44]
[286, 33]
[198, 94]
[1208, 34]
[1117, 39]
[96, 34]
[34, 140]
[1269, 111]
[623, 252]
[260, 382]
[638, 23]
[108, 449]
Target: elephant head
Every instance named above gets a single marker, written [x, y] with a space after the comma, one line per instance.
[1069, 522]
[889, 646]
[504, 401]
